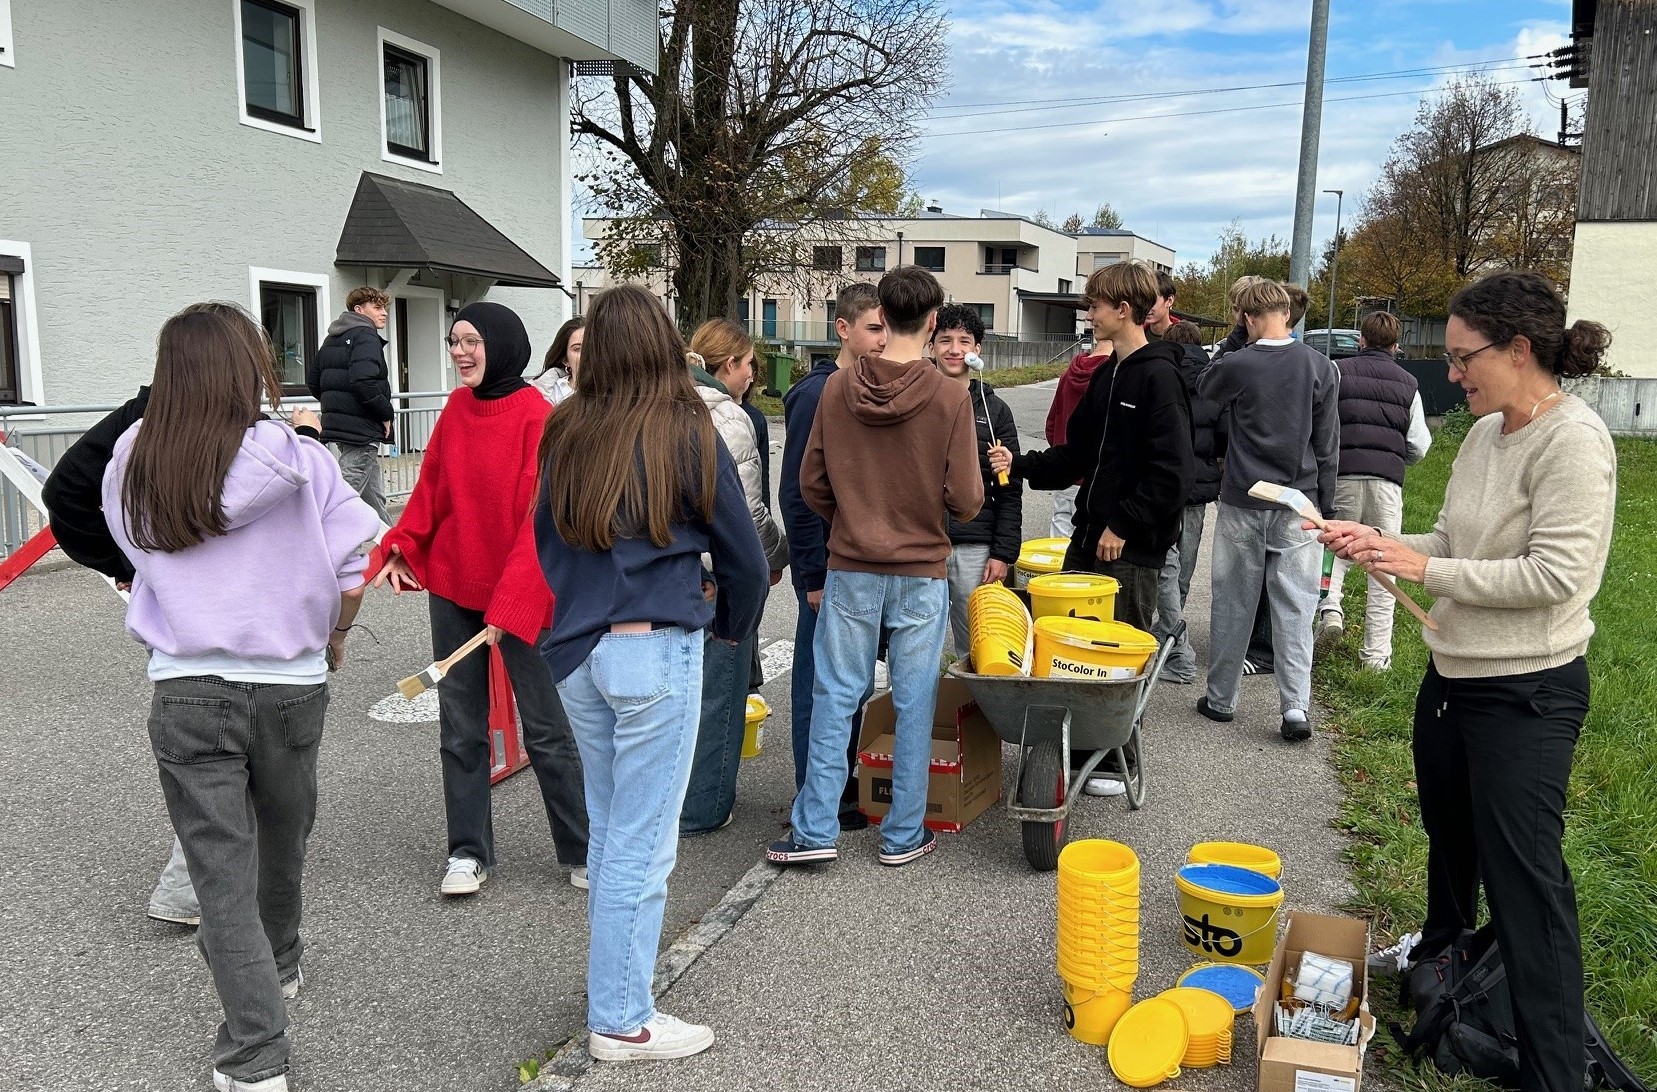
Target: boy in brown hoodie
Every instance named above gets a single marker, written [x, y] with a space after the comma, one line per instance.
[893, 452]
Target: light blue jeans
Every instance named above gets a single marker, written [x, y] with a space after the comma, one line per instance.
[634, 705]
[1251, 545]
[915, 611]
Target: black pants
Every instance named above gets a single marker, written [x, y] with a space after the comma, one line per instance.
[463, 716]
[1492, 762]
[1135, 598]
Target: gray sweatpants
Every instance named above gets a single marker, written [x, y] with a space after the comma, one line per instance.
[359, 464]
[1251, 545]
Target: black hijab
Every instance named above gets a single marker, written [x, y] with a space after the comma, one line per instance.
[505, 348]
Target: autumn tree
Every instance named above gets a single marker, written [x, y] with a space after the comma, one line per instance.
[1105, 217]
[1203, 285]
[1072, 224]
[770, 123]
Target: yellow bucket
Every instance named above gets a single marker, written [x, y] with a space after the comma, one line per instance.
[1074, 595]
[1241, 854]
[1079, 649]
[1090, 1015]
[1229, 913]
[1042, 555]
[753, 735]
[999, 627]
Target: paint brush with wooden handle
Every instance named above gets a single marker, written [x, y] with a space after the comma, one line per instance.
[415, 685]
[1300, 504]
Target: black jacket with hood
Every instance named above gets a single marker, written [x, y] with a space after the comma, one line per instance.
[348, 376]
[1129, 442]
[1207, 434]
[1000, 523]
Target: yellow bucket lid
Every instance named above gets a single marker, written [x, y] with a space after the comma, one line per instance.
[1081, 584]
[757, 708]
[1086, 633]
[1044, 546]
[1207, 1014]
[1148, 1042]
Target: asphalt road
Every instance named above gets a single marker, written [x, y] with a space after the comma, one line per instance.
[935, 976]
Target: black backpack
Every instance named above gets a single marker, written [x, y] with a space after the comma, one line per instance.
[1464, 1020]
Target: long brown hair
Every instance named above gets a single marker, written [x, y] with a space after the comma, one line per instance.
[214, 368]
[636, 452]
[560, 347]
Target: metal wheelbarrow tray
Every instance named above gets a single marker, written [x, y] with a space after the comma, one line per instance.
[1047, 719]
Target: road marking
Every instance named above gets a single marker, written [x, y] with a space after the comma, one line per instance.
[397, 709]
[776, 659]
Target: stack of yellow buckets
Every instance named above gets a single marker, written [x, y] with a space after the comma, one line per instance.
[1098, 935]
[1000, 630]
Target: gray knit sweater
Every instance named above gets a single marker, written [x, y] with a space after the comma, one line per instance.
[1520, 545]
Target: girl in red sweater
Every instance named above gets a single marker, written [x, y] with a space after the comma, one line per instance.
[466, 538]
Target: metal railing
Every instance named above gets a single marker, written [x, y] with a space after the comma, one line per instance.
[45, 441]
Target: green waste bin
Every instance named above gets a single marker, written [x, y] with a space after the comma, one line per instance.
[781, 371]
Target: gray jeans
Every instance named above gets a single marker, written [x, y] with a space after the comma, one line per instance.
[1379, 503]
[966, 570]
[1172, 588]
[1251, 545]
[360, 466]
[238, 770]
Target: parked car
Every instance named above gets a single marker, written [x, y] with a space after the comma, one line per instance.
[1333, 343]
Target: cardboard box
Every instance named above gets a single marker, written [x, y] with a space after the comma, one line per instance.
[1300, 1065]
[966, 760]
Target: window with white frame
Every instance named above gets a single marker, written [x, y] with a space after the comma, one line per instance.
[11, 386]
[20, 372]
[411, 114]
[291, 307]
[276, 59]
[6, 57]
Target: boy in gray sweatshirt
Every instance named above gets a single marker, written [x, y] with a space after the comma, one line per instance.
[1283, 398]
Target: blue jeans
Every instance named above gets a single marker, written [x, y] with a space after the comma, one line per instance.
[801, 685]
[915, 610]
[633, 705]
[713, 770]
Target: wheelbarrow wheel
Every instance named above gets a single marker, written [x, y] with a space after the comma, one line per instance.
[1043, 786]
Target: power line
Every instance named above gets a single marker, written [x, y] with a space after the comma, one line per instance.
[1193, 113]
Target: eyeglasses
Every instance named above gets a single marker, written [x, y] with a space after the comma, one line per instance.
[1460, 363]
[468, 342]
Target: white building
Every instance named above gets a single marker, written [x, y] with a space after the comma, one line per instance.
[277, 153]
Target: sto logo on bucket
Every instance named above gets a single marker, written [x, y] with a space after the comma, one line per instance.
[1210, 937]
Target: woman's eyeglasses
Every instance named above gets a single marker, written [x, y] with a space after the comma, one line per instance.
[468, 342]
[1459, 363]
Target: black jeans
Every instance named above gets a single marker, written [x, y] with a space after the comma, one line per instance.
[1492, 763]
[463, 716]
[1135, 598]
[238, 770]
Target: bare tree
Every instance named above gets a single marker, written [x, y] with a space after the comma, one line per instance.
[769, 120]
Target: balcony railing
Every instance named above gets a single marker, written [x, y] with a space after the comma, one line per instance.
[1005, 267]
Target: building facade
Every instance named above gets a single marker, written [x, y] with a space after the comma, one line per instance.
[277, 153]
[1021, 277]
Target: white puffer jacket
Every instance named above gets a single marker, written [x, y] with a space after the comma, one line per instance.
[738, 433]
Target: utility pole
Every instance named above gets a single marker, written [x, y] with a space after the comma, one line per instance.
[1334, 267]
[1311, 126]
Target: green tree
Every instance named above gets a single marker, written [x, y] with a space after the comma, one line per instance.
[1106, 217]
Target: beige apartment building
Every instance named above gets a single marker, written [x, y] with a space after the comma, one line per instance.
[1022, 277]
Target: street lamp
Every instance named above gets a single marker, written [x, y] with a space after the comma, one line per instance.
[900, 248]
[1334, 265]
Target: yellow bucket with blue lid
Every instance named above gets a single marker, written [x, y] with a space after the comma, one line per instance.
[1229, 914]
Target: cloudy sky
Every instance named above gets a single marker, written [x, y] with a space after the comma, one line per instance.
[998, 140]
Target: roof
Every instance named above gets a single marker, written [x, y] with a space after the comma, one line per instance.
[403, 225]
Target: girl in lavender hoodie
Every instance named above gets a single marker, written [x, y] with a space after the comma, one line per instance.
[249, 551]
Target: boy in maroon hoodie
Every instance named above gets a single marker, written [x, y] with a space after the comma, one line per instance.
[1072, 386]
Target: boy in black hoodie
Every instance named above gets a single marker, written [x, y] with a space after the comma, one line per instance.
[1129, 442]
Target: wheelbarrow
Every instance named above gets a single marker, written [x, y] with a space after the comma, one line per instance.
[1047, 719]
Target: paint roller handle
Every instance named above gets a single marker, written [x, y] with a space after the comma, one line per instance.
[1001, 461]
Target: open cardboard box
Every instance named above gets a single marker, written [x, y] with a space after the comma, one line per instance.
[966, 760]
[1300, 1065]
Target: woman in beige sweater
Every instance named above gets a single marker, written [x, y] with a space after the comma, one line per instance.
[1515, 559]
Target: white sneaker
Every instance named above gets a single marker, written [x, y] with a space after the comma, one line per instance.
[1331, 625]
[663, 1037]
[291, 986]
[1104, 786]
[224, 1083]
[1394, 958]
[464, 877]
[883, 677]
[578, 878]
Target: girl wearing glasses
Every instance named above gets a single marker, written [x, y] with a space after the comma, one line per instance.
[1514, 561]
[466, 539]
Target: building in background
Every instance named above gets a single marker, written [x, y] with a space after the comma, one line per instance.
[277, 153]
[1021, 277]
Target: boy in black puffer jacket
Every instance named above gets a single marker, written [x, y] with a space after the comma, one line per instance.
[1208, 446]
[348, 376]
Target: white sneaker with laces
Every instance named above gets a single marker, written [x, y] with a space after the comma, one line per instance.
[292, 986]
[1104, 786]
[464, 876]
[1395, 958]
[578, 878]
[225, 1083]
[663, 1037]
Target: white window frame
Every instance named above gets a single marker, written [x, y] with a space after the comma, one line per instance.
[434, 97]
[259, 276]
[31, 380]
[312, 130]
[6, 47]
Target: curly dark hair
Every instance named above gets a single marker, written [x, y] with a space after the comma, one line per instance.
[954, 316]
[1512, 303]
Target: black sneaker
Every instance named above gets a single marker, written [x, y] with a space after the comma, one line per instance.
[1296, 731]
[1212, 713]
[789, 852]
[853, 819]
[927, 844]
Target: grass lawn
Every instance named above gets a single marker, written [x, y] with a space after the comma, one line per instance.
[1004, 377]
[1611, 825]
